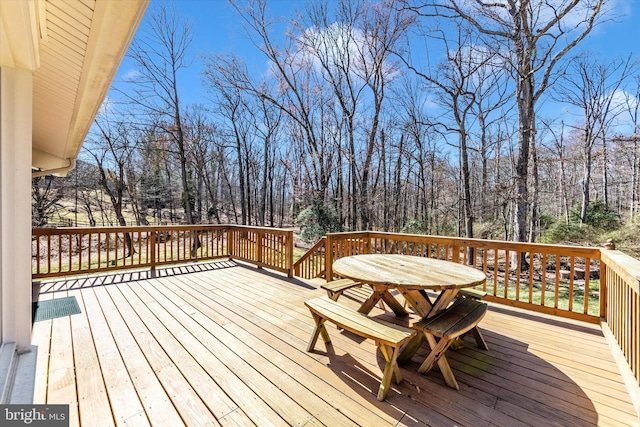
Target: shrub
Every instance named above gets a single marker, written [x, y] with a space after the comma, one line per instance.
[317, 220]
[599, 216]
[414, 226]
[560, 232]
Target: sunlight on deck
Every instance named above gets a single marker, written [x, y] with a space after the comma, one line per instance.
[224, 344]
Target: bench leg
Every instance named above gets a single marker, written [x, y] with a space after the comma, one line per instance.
[391, 371]
[334, 295]
[418, 300]
[480, 342]
[319, 330]
[409, 349]
[437, 356]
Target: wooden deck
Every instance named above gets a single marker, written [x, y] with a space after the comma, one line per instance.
[224, 344]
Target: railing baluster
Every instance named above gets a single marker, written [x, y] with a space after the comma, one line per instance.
[572, 275]
[543, 285]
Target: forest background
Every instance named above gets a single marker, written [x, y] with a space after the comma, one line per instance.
[439, 117]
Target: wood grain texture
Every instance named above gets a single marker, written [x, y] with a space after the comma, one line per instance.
[246, 330]
[411, 272]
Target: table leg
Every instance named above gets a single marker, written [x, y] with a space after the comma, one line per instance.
[393, 304]
[418, 300]
[382, 293]
[371, 302]
[438, 348]
[443, 301]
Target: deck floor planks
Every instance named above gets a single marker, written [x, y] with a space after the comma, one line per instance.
[206, 402]
[188, 404]
[279, 348]
[263, 310]
[302, 312]
[557, 381]
[522, 357]
[201, 346]
[295, 320]
[257, 361]
[542, 392]
[582, 378]
[41, 338]
[92, 393]
[242, 396]
[279, 375]
[599, 389]
[151, 395]
[123, 396]
[61, 383]
[557, 375]
[289, 345]
[586, 353]
[524, 397]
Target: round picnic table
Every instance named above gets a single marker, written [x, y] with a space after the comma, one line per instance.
[412, 276]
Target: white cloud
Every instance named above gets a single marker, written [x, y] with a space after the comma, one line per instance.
[108, 105]
[130, 75]
[342, 45]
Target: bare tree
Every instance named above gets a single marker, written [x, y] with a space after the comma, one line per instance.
[467, 86]
[44, 199]
[266, 120]
[383, 27]
[160, 54]
[632, 102]
[112, 149]
[533, 36]
[559, 148]
[592, 86]
[294, 93]
[230, 103]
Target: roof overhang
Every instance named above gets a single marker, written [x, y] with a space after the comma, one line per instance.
[74, 48]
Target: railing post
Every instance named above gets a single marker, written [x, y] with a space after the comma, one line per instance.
[455, 253]
[290, 252]
[328, 258]
[153, 254]
[603, 290]
[230, 242]
[609, 245]
[259, 242]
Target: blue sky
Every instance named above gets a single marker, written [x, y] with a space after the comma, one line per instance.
[217, 29]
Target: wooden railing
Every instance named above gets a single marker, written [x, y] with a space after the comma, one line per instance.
[312, 262]
[64, 251]
[621, 305]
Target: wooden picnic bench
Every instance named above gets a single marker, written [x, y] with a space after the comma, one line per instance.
[472, 293]
[335, 288]
[389, 338]
[463, 316]
[476, 294]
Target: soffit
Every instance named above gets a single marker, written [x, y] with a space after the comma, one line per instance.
[82, 43]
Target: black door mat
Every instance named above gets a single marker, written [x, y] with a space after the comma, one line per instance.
[53, 308]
